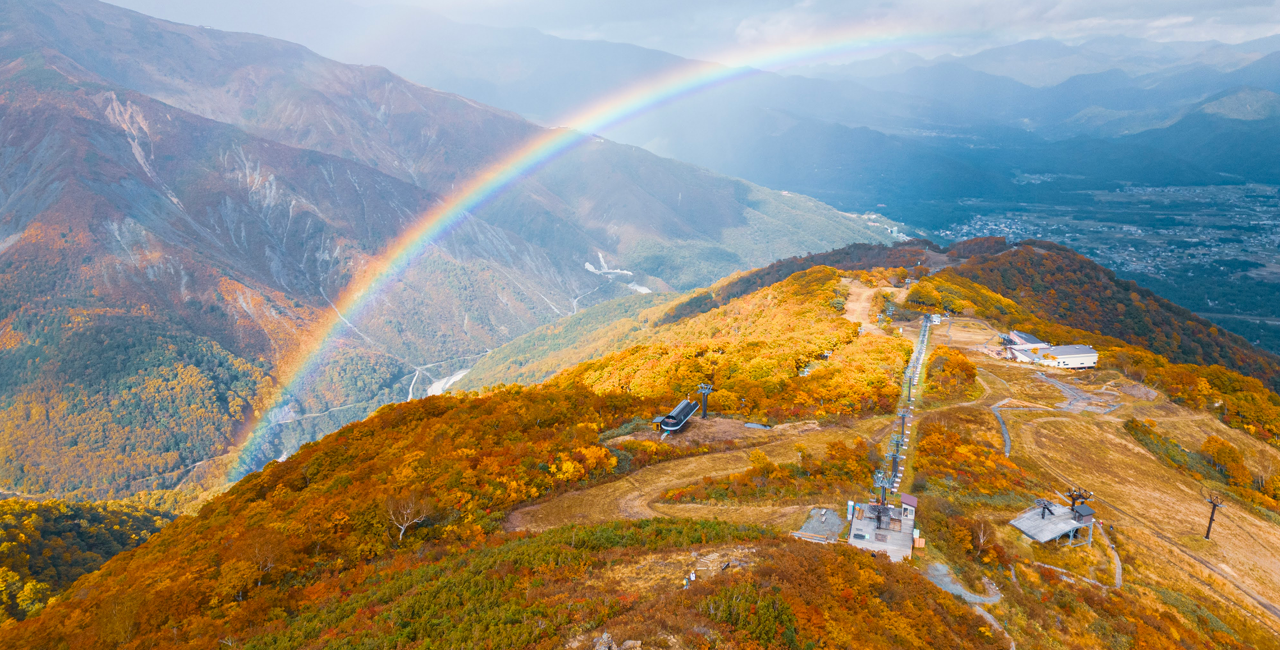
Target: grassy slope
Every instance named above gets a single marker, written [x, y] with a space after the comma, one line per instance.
[611, 326]
[301, 553]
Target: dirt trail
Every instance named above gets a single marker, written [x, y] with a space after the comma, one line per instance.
[633, 497]
[857, 307]
[1115, 557]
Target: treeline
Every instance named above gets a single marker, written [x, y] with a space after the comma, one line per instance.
[1217, 460]
[1057, 284]
[780, 353]
[1241, 401]
[47, 545]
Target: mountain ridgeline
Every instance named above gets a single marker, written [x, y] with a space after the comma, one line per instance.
[183, 207]
[399, 528]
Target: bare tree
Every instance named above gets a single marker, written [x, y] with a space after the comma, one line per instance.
[406, 510]
[264, 556]
[1266, 468]
[983, 533]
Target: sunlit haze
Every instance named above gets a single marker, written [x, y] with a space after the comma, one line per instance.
[707, 28]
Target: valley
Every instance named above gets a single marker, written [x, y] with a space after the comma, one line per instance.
[394, 334]
[184, 209]
[1180, 241]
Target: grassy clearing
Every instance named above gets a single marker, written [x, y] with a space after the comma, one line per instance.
[633, 497]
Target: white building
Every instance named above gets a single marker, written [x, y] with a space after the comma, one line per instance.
[1026, 348]
[1057, 356]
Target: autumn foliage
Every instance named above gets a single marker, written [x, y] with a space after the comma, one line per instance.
[1241, 401]
[1056, 284]
[951, 454]
[265, 542]
[950, 374]
[46, 546]
[782, 352]
[572, 583]
[845, 471]
[854, 257]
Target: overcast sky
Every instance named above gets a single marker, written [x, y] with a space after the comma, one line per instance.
[704, 28]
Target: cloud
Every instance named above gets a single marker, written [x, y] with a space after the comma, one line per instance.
[705, 27]
[708, 28]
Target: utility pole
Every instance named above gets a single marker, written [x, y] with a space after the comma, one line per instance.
[705, 389]
[896, 455]
[883, 482]
[1078, 495]
[1215, 501]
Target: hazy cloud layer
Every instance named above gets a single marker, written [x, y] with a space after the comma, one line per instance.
[706, 28]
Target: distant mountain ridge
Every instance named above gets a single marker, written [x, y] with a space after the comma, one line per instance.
[901, 135]
[180, 206]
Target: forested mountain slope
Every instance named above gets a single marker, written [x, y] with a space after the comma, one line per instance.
[156, 269]
[181, 206]
[1058, 284]
[391, 530]
[601, 198]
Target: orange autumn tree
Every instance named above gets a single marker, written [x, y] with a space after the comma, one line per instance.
[950, 374]
[1226, 458]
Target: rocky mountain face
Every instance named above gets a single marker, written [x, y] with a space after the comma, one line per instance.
[179, 207]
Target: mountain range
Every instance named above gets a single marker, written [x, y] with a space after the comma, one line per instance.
[182, 205]
[900, 134]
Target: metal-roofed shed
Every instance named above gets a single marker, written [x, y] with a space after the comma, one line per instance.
[1021, 339]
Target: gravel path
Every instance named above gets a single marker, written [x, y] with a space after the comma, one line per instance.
[940, 574]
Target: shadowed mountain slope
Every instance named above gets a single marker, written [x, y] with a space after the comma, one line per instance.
[602, 198]
[180, 206]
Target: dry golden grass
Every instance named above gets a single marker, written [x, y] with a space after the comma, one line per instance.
[662, 572]
[857, 306]
[964, 333]
[633, 496]
[1158, 513]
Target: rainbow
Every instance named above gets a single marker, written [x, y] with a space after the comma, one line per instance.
[497, 177]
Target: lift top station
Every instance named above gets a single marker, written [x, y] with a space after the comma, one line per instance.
[676, 419]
